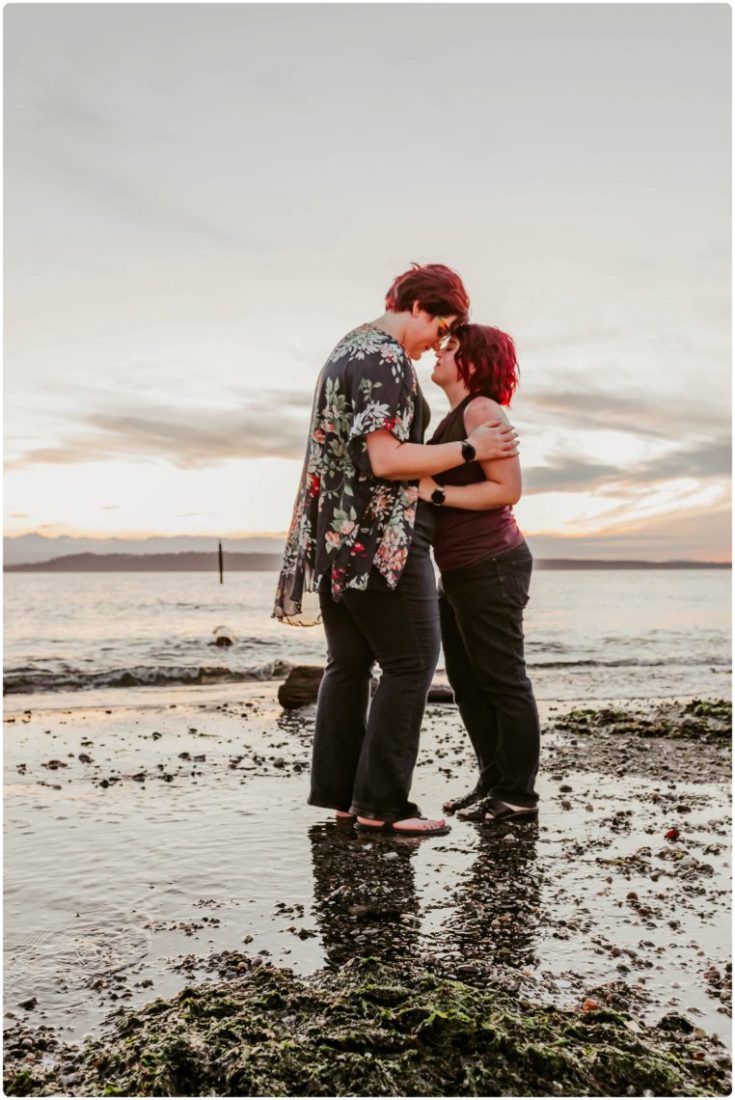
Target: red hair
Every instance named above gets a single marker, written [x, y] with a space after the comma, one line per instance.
[492, 354]
[436, 288]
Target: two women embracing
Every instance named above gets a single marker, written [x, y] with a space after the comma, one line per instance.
[372, 502]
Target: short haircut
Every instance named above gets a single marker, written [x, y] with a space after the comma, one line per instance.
[436, 288]
[492, 354]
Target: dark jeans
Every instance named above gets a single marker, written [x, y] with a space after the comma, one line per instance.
[363, 762]
[481, 609]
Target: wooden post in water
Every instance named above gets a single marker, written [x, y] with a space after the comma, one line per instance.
[221, 567]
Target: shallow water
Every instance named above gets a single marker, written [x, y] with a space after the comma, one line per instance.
[108, 888]
[595, 634]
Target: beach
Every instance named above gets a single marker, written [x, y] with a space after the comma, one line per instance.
[159, 841]
[160, 854]
[233, 330]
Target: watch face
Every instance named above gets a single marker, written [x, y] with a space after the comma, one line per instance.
[438, 496]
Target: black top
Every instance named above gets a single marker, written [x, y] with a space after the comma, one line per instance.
[467, 536]
[452, 430]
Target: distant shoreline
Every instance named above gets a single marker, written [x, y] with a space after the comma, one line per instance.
[197, 562]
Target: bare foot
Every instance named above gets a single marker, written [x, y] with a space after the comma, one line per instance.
[413, 824]
[342, 814]
[419, 823]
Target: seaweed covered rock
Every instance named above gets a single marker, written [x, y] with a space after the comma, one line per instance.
[376, 1029]
[706, 719]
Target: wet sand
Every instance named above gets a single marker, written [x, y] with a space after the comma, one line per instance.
[163, 840]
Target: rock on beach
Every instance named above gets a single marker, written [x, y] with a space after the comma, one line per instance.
[301, 688]
[370, 1029]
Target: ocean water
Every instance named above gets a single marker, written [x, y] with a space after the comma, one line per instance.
[597, 634]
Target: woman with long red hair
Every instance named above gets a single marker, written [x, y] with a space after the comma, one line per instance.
[485, 568]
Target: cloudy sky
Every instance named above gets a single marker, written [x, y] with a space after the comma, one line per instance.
[202, 199]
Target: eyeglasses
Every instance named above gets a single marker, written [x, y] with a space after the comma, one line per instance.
[443, 333]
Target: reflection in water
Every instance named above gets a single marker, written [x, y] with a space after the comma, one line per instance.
[364, 894]
[365, 902]
[494, 918]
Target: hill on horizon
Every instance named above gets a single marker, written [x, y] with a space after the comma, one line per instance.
[191, 561]
[22, 549]
[33, 548]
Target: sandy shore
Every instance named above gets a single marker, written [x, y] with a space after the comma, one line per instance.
[158, 839]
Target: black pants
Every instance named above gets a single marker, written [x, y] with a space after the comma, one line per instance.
[481, 609]
[363, 762]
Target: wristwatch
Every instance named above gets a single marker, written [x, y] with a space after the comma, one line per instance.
[468, 451]
[438, 496]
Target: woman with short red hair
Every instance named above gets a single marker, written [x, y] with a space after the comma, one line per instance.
[485, 575]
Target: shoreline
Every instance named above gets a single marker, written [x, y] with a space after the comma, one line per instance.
[203, 885]
[157, 696]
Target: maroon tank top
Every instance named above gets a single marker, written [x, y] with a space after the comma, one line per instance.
[465, 537]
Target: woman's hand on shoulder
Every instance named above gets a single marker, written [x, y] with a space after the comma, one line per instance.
[483, 410]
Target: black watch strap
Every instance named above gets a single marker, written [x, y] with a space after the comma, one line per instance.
[468, 451]
[438, 496]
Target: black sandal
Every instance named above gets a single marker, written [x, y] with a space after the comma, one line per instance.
[410, 811]
[389, 827]
[461, 801]
[501, 811]
[476, 810]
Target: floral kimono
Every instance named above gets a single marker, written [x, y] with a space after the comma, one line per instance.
[345, 520]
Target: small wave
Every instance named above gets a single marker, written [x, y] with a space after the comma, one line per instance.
[29, 681]
[635, 662]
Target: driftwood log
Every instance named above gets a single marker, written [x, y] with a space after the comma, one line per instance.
[302, 686]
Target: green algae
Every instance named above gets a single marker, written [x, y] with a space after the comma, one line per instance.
[373, 1028]
[696, 719]
[719, 710]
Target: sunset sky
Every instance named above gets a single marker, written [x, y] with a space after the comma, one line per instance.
[202, 199]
